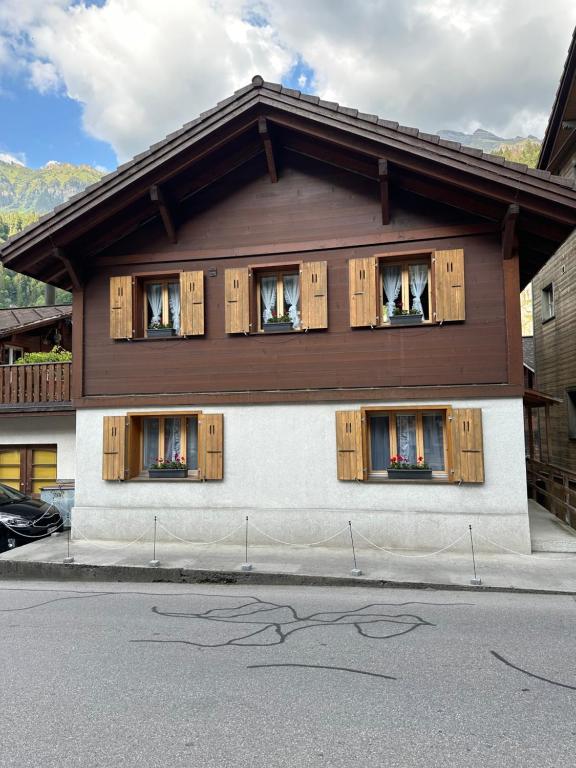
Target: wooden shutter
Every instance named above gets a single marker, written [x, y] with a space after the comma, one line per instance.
[114, 448]
[211, 446]
[467, 449]
[363, 292]
[121, 307]
[349, 445]
[314, 280]
[237, 310]
[449, 285]
[192, 303]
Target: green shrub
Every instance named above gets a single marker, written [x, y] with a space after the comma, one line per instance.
[56, 355]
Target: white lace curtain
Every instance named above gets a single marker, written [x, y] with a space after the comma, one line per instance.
[418, 281]
[174, 299]
[292, 296]
[406, 436]
[155, 300]
[392, 279]
[172, 442]
[268, 294]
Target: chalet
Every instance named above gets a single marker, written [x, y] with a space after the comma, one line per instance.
[554, 287]
[37, 432]
[287, 294]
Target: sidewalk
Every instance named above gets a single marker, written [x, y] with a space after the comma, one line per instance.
[114, 561]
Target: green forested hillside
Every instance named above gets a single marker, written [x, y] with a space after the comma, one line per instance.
[25, 194]
[40, 190]
[526, 152]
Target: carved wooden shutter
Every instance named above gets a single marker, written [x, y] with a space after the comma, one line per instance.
[192, 303]
[237, 309]
[314, 279]
[467, 448]
[114, 448]
[449, 285]
[349, 445]
[121, 307]
[211, 446]
[363, 292]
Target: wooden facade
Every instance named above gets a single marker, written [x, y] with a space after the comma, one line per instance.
[555, 326]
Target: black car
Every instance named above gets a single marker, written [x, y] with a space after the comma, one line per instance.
[23, 519]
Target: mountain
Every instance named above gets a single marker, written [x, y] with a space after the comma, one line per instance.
[40, 190]
[485, 140]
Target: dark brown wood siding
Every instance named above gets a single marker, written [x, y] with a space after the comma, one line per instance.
[310, 202]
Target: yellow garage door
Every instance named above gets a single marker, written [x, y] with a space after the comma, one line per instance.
[43, 469]
[10, 464]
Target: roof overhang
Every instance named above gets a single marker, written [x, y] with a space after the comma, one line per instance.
[57, 249]
[534, 399]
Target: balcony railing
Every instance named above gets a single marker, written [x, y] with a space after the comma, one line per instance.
[34, 385]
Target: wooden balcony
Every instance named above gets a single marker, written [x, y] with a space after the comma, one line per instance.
[35, 387]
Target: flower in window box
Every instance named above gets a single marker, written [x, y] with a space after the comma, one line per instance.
[401, 468]
[277, 323]
[161, 329]
[175, 467]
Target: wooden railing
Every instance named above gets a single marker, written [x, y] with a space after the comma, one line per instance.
[554, 488]
[34, 384]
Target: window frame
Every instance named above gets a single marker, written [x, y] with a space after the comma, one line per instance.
[11, 349]
[548, 290]
[445, 475]
[142, 476]
[256, 272]
[571, 415]
[164, 280]
[405, 259]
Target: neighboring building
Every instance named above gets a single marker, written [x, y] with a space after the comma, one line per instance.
[554, 287]
[272, 205]
[37, 422]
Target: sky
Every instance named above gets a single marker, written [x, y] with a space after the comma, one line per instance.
[97, 81]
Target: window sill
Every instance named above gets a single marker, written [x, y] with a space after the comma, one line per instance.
[146, 479]
[276, 333]
[548, 319]
[445, 480]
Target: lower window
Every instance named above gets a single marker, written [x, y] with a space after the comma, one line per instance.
[415, 438]
[171, 439]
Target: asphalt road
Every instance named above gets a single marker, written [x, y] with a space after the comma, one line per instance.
[218, 676]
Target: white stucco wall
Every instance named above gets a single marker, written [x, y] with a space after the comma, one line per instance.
[45, 429]
[280, 470]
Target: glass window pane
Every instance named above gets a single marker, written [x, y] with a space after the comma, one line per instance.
[379, 442]
[172, 442]
[150, 431]
[432, 424]
[418, 276]
[192, 442]
[406, 436]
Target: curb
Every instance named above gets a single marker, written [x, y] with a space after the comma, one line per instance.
[20, 569]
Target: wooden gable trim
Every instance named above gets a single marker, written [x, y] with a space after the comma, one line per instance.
[509, 240]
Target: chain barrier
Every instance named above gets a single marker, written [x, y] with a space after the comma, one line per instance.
[399, 554]
[201, 543]
[113, 547]
[525, 554]
[291, 544]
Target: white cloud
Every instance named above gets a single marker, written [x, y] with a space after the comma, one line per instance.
[18, 158]
[142, 68]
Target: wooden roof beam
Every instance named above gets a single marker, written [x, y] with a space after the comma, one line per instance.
[71, 269]
[384, 190]
[509, 237]
[268, 149]
[166, 214]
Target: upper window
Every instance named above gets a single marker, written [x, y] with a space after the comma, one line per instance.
[162, 308]
[571, 404]
[405, 290]
[548, 302]
[412, 437]
[169, 438]
[278, 300]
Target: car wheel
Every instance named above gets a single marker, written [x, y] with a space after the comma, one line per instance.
[6, 542]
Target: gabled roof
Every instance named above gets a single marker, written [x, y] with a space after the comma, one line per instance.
[365, 137]
[564, 108]
[22, 319]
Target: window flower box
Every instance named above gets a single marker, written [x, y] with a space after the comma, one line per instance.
[167, 473]
[409, 474]
[277, 327]
[414, 318]
[160, 333]
[401, 469]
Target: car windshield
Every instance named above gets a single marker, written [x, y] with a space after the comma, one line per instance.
[8, 494]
